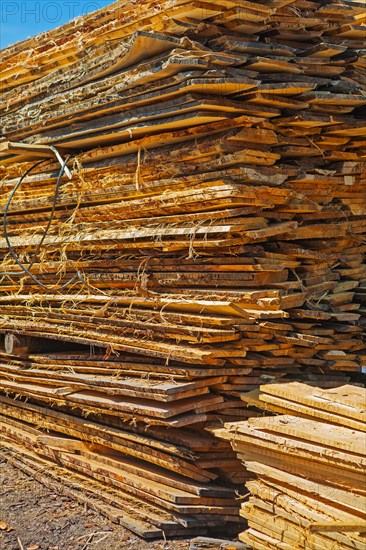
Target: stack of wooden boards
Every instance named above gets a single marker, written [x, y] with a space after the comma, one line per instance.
[310, 490]
[211, 238]
[151, 479]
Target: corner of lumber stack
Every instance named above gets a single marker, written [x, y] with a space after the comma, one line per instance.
[309, 490]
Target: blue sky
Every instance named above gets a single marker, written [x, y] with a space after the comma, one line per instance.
[20, 19]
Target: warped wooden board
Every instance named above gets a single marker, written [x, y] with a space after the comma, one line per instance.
[120, 418]
[190, 354]
[100, 400]
[184, 442]
[155, 72]
[147, 19]
[220, 264]
[140, 320]
[24, 151]
[134, 387]
[99, 365]
[160, 281]
[196, 86]
[173, 110]
[232, 303]
[135, 88]
[132, 53]
[348, 401]
[230, 43]
[314, 431]
[270, 433]
[287, 407]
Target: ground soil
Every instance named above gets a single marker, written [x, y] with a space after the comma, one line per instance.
[41, 520]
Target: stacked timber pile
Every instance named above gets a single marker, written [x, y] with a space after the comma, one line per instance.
[311, 471]
[306, 402]
[211, 238]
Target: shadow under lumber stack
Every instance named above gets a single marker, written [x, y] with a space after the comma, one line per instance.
[211, 239]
